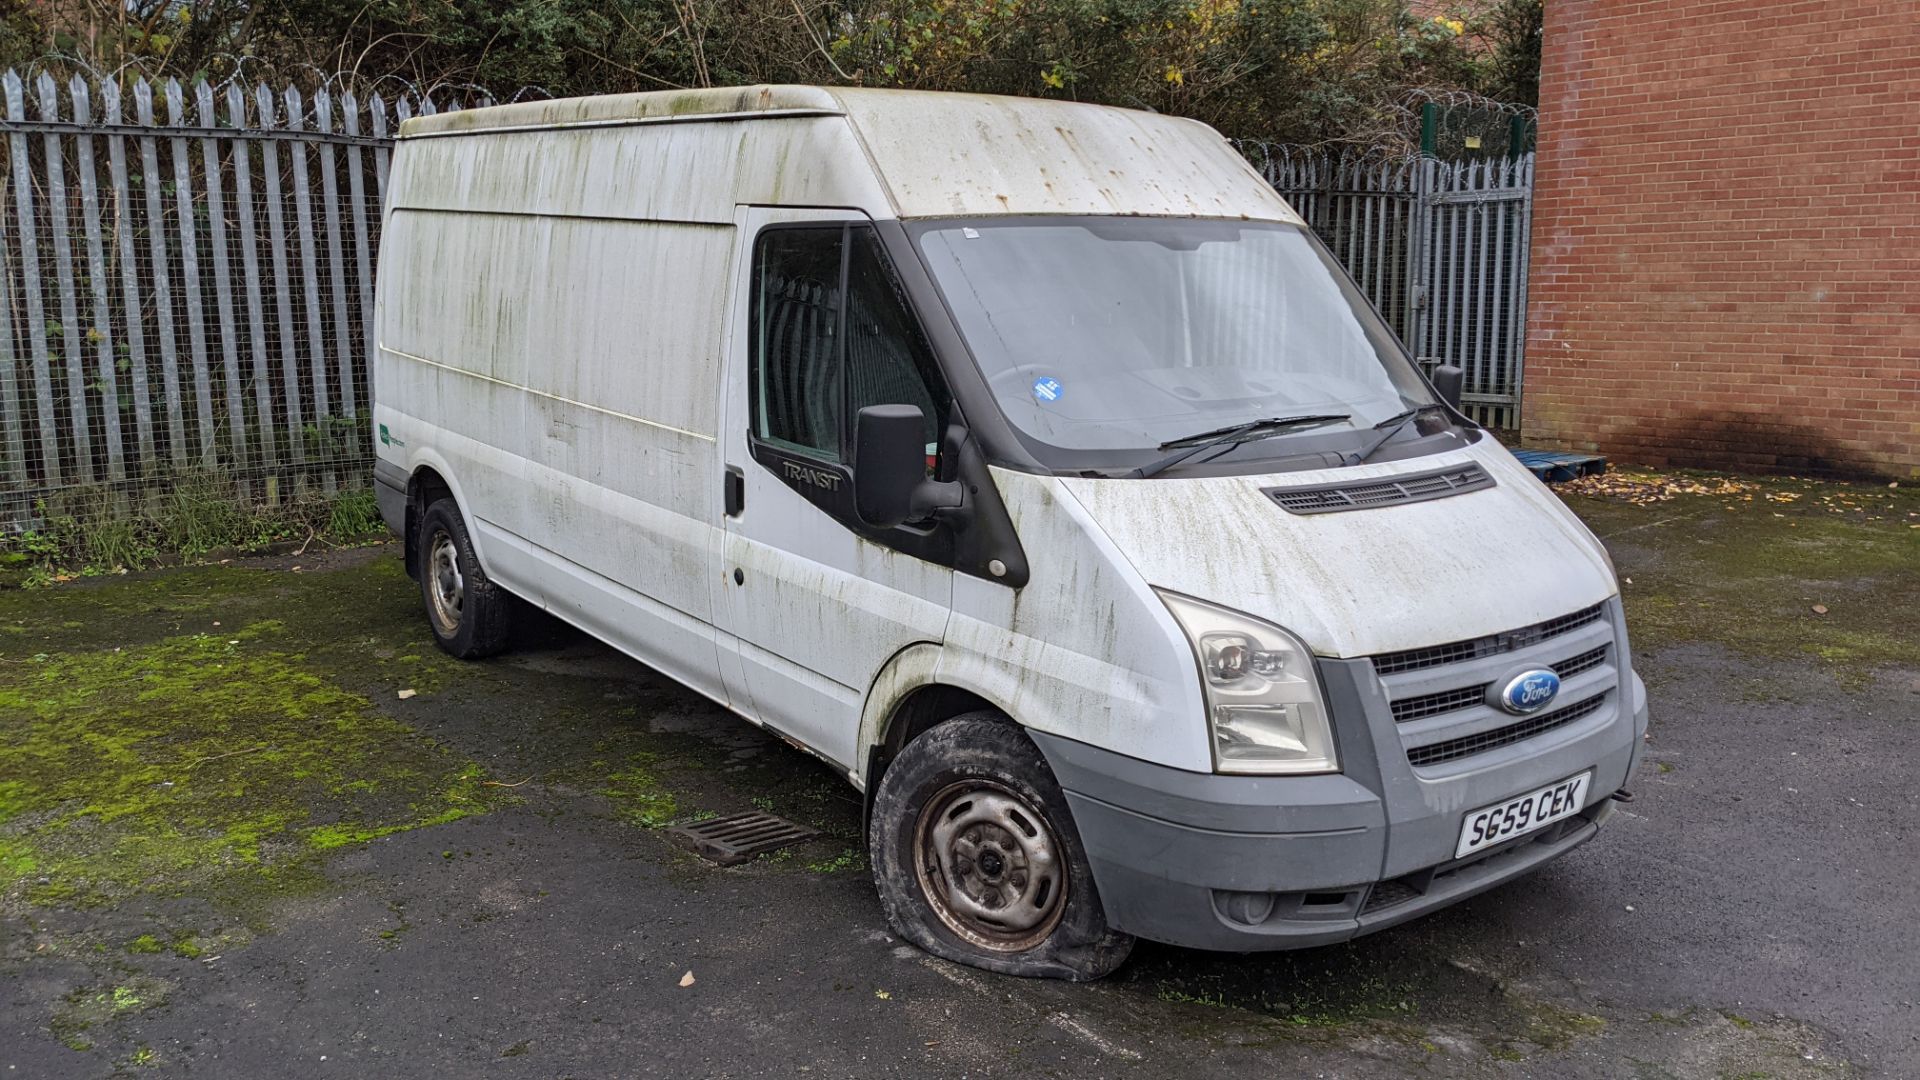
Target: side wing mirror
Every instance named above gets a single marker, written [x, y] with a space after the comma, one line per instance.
[890, 482]
[1447, 381]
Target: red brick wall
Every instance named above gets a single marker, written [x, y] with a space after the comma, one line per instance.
[1726, 235]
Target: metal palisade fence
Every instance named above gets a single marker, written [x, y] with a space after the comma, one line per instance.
[186, 277]
[1440, 247]
[186, 281]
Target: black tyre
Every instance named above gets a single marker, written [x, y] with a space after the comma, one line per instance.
[468, 613]
[977, 860]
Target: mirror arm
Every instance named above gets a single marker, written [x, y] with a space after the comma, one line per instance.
[943, 500]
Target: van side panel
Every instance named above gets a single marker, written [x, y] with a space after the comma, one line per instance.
[567, 371]
[620, 316]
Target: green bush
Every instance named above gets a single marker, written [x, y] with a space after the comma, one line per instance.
[1282, 70]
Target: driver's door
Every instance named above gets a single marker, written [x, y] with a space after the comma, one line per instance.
[813, 609]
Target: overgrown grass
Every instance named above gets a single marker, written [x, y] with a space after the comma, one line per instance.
[200, 513]
[99, 530]
[353, 513]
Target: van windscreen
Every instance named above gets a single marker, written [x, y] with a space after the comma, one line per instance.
[1117, 333]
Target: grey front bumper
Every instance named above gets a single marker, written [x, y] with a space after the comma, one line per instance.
[1244, 863]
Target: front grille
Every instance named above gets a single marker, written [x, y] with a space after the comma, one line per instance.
[1586, 661]
[1436, 753]
[1466, 697]
[1364, 495]
[1416, 708]
[1491, 645]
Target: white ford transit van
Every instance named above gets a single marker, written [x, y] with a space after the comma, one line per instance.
[1031, 463]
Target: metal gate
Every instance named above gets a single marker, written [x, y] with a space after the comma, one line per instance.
[1440, 247]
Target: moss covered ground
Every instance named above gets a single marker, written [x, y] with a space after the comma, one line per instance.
[163, 733]
[217, 728]
[1773, 568]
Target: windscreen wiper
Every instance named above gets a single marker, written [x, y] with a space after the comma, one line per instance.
[1233, 436]
[1393, 424]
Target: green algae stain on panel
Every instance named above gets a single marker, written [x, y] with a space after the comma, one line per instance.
[158, 767]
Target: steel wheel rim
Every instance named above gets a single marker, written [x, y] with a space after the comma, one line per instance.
[446, 586]
[990, 866]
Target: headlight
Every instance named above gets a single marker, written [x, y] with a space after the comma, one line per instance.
[1263, 699]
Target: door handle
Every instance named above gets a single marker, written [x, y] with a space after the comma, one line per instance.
[735, 491]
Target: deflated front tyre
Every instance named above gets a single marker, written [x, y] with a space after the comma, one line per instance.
[977, 861]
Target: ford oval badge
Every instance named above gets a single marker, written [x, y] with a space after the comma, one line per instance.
[1529, 691]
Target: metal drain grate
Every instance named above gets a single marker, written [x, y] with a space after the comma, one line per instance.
[736, 838]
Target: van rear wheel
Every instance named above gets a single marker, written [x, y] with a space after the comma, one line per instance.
[467, 612]
[977, 860]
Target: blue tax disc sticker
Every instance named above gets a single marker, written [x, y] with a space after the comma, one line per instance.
[1046, 389]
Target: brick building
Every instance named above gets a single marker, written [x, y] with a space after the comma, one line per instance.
[1726, 235]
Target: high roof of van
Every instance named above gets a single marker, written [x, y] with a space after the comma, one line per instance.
[942, 154]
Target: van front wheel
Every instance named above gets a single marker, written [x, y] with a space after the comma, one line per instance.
[467, 612]
[977, 860]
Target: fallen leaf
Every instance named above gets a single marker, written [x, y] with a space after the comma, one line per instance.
[1819, 609]
[882, 995]
[405, 694]
[687, 979]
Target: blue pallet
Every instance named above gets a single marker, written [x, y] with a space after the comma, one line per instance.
[1556, 467]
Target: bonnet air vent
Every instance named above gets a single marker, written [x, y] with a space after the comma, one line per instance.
[1364, 495]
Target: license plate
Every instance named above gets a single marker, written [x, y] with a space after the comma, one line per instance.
[1518, 816]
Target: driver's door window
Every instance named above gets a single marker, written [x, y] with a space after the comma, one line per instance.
[832, 333]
